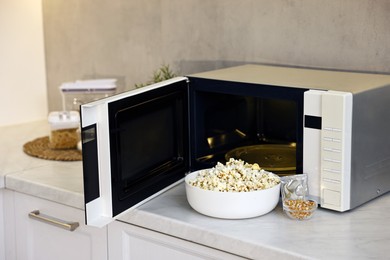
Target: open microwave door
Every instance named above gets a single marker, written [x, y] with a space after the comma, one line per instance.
[135, 146]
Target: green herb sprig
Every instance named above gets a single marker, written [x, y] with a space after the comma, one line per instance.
[163, 73]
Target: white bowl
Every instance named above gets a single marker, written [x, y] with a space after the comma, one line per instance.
[231, 205]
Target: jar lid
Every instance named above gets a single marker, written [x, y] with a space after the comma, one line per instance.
[64, 119]
[97, 85]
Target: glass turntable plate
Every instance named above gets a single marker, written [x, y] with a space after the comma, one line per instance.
[270, 157]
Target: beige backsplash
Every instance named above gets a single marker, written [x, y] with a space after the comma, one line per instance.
[129, 39]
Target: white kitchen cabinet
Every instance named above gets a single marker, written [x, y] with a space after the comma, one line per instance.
[40, 240]
[9, 252]
[126, 242]
[2, 228]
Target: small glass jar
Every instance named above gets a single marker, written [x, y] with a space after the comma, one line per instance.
[295, 197]
[64, 127]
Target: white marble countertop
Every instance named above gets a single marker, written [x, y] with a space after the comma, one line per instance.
[362, 233]
[52, 180]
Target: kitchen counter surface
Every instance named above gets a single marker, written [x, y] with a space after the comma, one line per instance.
[362, 233]
[52, 180]
[359, 234]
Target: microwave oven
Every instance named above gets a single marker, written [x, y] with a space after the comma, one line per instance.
[334, 126]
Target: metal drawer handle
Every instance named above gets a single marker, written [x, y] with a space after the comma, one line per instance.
[71, 226]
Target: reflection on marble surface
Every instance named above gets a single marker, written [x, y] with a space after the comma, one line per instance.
[358, 234]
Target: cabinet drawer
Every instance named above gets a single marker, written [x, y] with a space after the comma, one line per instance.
[130, 242]
[46, 235]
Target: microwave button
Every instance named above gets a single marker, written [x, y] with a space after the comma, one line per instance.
[328, 139]
[336, 150]
[332, 135]
[331, 170]
[332, 150]
[331, 180]
[329, 131]
[330, 183]
[332, 129]
[332, 160]
[331, 197]
[331, 156]
[334, 146]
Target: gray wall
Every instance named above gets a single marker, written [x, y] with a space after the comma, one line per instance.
[129, 39]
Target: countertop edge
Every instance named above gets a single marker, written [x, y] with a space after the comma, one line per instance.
[16, 183]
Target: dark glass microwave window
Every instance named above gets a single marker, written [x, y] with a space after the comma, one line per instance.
[149, 143]
[146, 142]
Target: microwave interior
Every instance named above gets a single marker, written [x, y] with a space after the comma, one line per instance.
[256, 123]
[160, 134]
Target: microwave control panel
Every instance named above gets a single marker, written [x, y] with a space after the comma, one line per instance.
[327, 147]
[336, 150]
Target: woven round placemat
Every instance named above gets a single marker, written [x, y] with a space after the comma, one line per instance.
[40, 148]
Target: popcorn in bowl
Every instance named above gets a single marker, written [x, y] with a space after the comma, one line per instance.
[235, 176]
[236, 190]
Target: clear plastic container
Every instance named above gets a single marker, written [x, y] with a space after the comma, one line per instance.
[295, 187]
[64, 128]
[80, 92]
